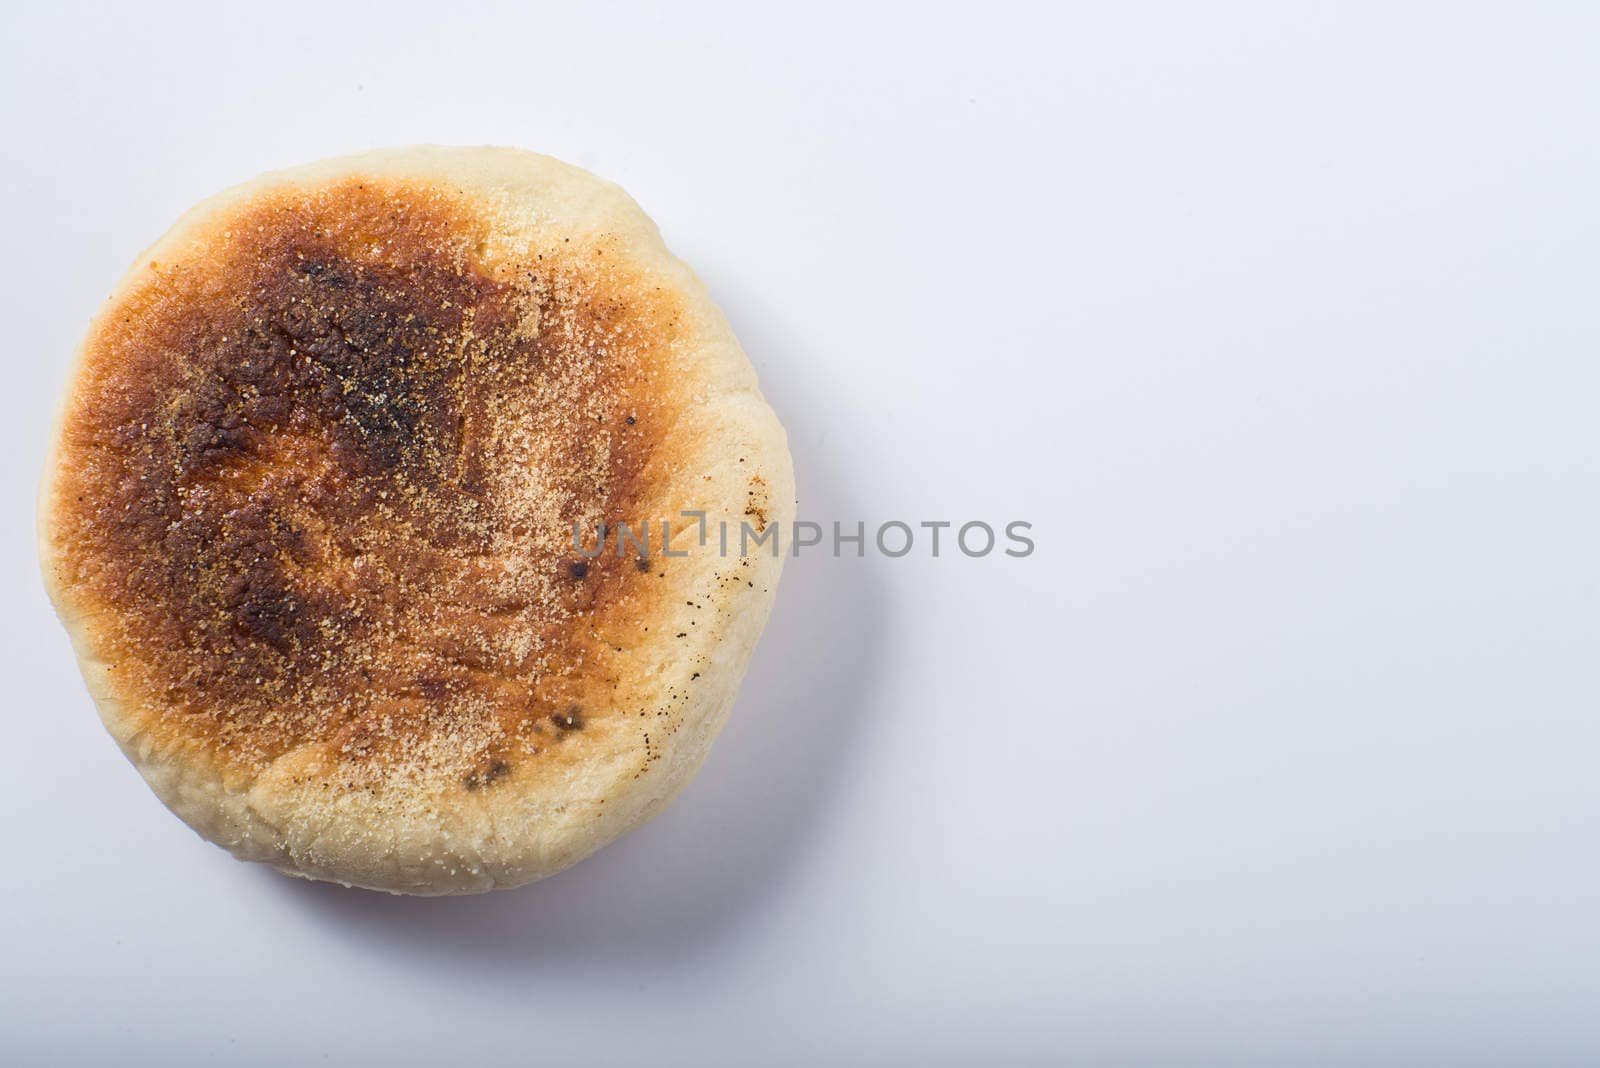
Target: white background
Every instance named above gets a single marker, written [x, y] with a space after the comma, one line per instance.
[1282, 327]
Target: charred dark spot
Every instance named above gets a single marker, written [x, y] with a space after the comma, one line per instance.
[268, 613]
[578, 569]
[488, 775]
[570, 720]
[432, 688]
[326, 273]
[374, 364]
[641, 563]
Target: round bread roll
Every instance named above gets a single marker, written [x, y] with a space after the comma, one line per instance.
[324, 502]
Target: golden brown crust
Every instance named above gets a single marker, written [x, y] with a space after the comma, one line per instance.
[312, 503]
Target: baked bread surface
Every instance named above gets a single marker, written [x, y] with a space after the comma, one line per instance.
[309, 518]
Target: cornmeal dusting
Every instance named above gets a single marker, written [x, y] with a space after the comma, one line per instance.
[322, 485]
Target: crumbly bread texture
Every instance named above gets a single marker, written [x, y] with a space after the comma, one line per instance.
[308, 518]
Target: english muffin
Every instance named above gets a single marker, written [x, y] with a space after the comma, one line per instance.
[324, 507]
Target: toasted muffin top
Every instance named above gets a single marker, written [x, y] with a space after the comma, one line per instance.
[318, 477]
